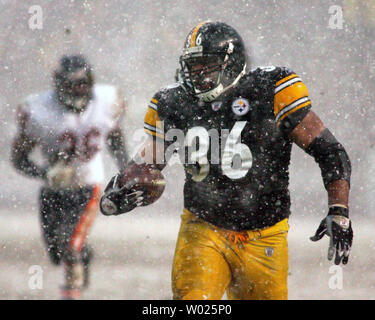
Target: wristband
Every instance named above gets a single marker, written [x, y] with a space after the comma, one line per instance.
[338, 210]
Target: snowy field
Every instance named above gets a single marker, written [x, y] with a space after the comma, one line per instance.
[136, 45]
[134, 255]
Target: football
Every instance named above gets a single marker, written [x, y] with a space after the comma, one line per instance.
[146, 177]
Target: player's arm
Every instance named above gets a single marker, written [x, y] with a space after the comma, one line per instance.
[117, 147]
[22, 146]
[312, 136]
[121, 197]
[123, 194]
[152, 150]
[115, 138]
[295, 120]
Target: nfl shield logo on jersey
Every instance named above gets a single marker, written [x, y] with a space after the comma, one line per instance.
[216, 105]
[268, 251]
[240, 106]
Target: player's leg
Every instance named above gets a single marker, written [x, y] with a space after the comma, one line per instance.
[50, 220]
[74, 275]
[199, 269]
[80, 212]
[78, 239]
[86, 258]
[261, 268]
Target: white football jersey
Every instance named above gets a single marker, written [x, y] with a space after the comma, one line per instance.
[70, 141]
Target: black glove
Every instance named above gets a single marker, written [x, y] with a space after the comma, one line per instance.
[338, 227]
[118, 200]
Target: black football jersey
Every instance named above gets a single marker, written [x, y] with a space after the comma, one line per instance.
[235, 150]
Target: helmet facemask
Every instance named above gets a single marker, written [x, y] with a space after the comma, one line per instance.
[213, 60]
[204, 72]
[209, 75]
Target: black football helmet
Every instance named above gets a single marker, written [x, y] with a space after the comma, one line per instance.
[74, 82]
[213, 60]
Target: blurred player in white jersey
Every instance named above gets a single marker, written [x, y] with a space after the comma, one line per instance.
[71, 123]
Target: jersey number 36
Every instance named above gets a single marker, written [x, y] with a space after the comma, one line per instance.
[236, 158]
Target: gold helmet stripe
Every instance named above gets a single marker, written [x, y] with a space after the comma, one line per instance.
[195, 33]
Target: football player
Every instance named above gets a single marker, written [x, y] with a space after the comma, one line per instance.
[71, 123]
[238, 127]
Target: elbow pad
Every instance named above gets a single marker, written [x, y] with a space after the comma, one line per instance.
[331, 156]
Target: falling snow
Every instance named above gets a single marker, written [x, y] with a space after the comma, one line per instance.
[135, 45]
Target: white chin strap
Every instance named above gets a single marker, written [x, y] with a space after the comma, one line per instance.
[212, 94]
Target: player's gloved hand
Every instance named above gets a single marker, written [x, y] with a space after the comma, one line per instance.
[338, 227]
[117, 200]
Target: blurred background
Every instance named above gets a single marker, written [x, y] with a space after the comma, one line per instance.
[135, 45]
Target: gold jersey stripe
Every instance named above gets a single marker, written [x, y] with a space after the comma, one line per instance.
[286, 79]
[152, 117]
[294, 110]
[288, 95]
[195, 33]
[152, 112]
[153, 133]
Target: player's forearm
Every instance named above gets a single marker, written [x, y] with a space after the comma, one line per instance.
[152, 152]
[332, 158]
[22, 163]
[335, 167]
[313, 137]
[338, 193]
[121, 157]
[116, 145]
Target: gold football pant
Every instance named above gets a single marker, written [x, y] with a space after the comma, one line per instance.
[247, 265]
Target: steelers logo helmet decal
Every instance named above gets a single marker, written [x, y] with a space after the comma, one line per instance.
[240, 106]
